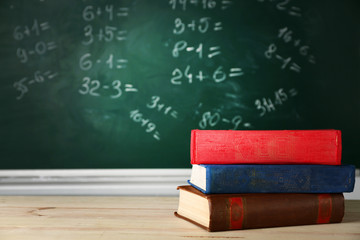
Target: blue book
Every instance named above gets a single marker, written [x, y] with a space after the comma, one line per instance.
[273, 178]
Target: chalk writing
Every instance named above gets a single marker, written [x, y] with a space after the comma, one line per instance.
[158, 105]
[211, 119]
[40, 48]
[202, 25]
[39, 77]
[203, 4]
[102, 35]
[285, 6]
[149, 126]
[31, 37]
[90, 13]
[106, 34]
[286, 62]
[182, 46]
[86, 62]
[94, 88]
[20, 32]
[218, 75]
[269, 104]
[287, 36]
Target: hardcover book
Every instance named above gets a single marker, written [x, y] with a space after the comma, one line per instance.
[273, 178]
[266, 147]
[220, 212]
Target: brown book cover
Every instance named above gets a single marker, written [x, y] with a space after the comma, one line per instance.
[220, 212]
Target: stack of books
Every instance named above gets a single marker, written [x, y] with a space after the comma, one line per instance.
[257, 179]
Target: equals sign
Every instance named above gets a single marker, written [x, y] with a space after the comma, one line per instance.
[174, 114]
[194, 2]
[295, 67]
[218, 26]
[130, 88]
[293, 92]
[122, 63]
[295, 11]
[44, 26]
[157, 135]
[214, 51]
[121, 35]
[51, 45]
[225, 4]
[123, 12]
[236, 72]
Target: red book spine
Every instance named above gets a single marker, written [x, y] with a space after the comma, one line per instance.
[266, 147]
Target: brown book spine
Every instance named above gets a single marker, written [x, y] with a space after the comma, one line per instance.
[273, 210]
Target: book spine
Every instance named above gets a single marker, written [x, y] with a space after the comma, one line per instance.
[279, 178]
[266, 147]
[273, 210]
[193, 150]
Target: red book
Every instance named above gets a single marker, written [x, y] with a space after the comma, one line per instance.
[266, 147]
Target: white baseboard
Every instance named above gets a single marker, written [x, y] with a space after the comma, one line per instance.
[156, 182]
[93, 182]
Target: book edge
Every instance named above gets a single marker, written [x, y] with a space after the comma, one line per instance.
[198, 188]
[193, 146]
[193, 222]
[339, 147]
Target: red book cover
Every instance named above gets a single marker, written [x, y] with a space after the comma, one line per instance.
[266, 147]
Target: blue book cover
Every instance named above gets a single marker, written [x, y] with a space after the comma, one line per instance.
[273, 178]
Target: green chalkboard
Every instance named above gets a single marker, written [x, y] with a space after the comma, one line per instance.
[120, 84]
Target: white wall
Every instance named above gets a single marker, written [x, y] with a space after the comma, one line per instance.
[103, 182]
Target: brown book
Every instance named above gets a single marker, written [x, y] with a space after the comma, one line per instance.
[220, 212]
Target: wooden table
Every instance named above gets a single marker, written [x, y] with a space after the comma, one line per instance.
[66, 217]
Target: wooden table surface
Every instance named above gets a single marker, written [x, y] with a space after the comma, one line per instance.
[73, 217]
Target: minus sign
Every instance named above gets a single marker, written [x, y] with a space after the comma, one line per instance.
[225, 120]
[106, 87]
[31, 81]
[98, 61]
[31, 52]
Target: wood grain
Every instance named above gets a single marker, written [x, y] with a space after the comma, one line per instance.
[66, 217]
